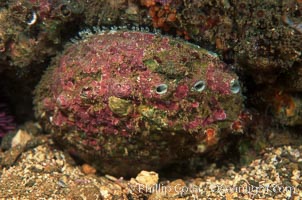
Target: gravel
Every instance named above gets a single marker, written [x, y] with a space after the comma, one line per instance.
[44, 172]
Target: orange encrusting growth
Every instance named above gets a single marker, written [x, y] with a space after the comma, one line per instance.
[210, 136]
[162, 16]
[284, 102]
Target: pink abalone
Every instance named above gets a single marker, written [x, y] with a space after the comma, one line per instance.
[125, 101]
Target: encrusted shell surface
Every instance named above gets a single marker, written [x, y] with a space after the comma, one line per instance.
[126, 101]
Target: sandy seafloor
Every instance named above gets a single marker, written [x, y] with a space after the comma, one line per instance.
[44, 172]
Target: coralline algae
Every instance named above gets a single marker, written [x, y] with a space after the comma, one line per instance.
[126, 101]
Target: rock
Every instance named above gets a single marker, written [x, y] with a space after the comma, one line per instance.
[148, 179]
[21, 138]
